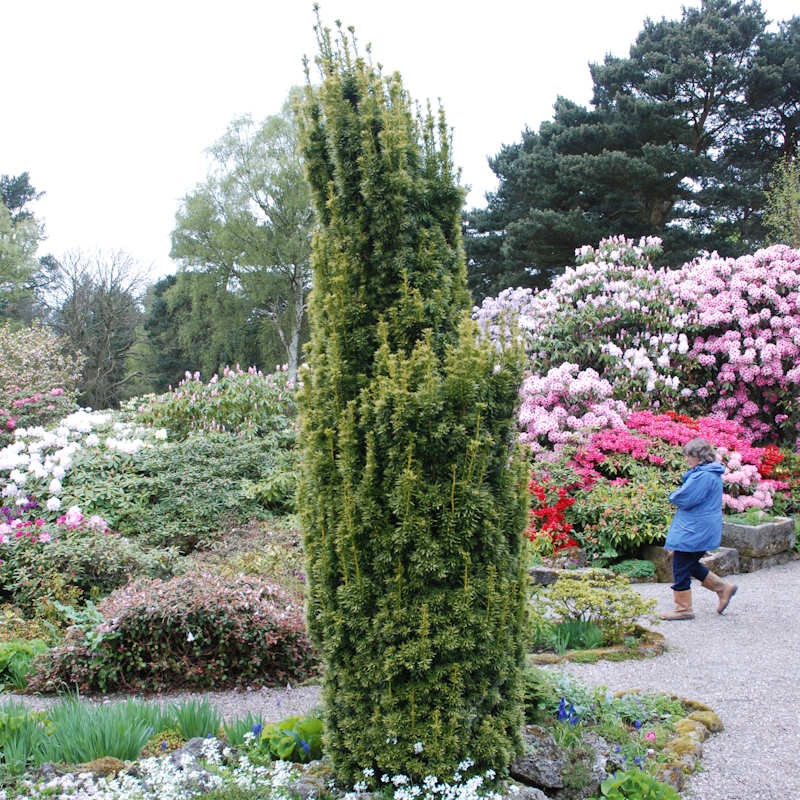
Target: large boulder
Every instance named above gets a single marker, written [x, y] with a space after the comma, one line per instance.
[542, 762]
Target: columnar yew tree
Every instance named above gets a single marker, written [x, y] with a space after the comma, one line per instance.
[413, 492]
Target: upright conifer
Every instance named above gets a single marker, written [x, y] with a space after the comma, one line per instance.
[413, 491]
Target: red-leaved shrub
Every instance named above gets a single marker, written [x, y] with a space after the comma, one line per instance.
[198, 631]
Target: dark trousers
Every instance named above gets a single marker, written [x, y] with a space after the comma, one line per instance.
[686, 566]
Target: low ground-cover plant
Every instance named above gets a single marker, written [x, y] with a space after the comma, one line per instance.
[596, 596]
[197, 630]
[635, 784]
[75, 731]
[637, 725]
[297, 739]
[635, 569]
[16, 656]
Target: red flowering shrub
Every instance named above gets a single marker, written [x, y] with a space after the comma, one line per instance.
[197, 631]
[548, 530]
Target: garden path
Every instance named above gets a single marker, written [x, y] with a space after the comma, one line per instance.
[744, 665]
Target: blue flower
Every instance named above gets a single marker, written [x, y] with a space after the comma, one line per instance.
[163, 746]
[562, 709]
[637, 723]
[305, 745]
[256, 729]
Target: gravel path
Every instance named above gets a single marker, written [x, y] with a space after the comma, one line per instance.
[744, 665]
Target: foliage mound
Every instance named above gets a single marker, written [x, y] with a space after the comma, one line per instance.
[197, 631]
[596, 596]
[243, 403]
[184, 493]
[74, 564]
[32, 359]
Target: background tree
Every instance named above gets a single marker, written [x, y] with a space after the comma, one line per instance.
[783, 203]
[22, 274]
[250, 224]
[678, 143]
[413, 494]
[96, 309]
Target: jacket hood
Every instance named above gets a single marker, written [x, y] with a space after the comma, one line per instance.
[714, 467]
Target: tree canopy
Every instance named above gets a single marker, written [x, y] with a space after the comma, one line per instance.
[678, 142]
[248, 226]
[21, 272]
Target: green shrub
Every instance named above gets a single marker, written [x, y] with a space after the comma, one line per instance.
[634, 569]
[15, 625]
[240, 403]
[78, 564]
[297, 739]
[597, 596]
[413, 492]
[185, 493]
[616, 519]
[196, 631]
[16, 657]
[635, 784]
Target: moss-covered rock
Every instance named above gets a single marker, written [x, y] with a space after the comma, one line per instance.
[691, 728]
[709, 719]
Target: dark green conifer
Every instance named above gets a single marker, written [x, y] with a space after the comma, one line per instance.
[413, 495]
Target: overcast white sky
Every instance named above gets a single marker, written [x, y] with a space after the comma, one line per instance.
[111, 104]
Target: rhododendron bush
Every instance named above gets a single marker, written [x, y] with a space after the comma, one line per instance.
[629, 362]
[717, 335]
[613, 484]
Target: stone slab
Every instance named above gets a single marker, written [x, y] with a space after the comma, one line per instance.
[766, 539]
[722, 561]
[753, 563]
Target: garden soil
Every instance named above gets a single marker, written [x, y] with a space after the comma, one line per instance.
[744, 664]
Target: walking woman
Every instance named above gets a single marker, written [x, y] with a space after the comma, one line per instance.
[696, 528]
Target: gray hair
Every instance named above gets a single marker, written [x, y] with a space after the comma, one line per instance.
[702, 450]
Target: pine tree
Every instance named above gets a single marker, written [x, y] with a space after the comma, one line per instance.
[413, 491]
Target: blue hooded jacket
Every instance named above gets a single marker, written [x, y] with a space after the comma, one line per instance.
[697, 524]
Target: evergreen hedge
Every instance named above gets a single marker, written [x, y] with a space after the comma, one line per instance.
[413, 492]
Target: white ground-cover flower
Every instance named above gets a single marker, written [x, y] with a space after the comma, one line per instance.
[158, 779]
